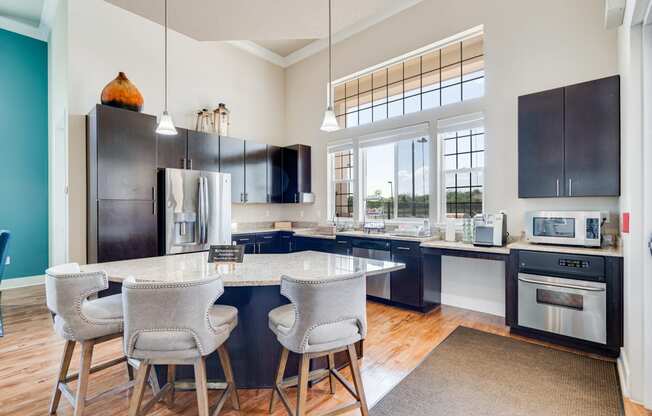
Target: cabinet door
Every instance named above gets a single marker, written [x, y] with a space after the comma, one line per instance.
[541, 144]
[126, 153]
[290, 179]
[304, 167]
[255, 172]
[275, 174]
[592, 138]
[285, 242]
[172, 150]
[203, 151]
[246, 240]
[232, 160]
[126, 230]
[406, 284]
[267, 242]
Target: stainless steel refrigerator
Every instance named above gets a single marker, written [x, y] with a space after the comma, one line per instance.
[195, 208]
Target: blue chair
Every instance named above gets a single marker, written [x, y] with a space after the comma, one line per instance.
[4, 241]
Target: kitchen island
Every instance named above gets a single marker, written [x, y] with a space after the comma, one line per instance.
[253, 288]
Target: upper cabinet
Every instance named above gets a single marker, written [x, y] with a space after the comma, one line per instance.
[172, 149]
[232, 161]
[592, 138]
[122, 154]
[255, 172]
[275, 174]
[203, 151]
[296, 183]
[569, 141]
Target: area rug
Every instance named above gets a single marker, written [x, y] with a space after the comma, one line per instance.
[477, 373]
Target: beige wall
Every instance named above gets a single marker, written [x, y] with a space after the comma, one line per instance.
[530, 45]
[105, 39]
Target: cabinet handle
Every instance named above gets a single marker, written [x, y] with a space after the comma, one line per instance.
[557, 186]
[296, 198]
[189, 161]
[342, 242]
[268, 237]
[243, 239]
[154, 208]
[570, 186]
[183, 163]
[403, 248]
[241, 197]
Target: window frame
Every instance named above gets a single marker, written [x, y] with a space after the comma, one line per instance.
[332, 184]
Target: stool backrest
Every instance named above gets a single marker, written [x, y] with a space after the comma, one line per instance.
[66, 288]
[151, 307]
[4, 242]
[322, 304]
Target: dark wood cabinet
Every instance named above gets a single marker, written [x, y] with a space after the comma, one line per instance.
[122, 153]
[172, 150]
[541, 144]
[232, 161]
[406, 283]
[255, 172]
[203, 151]
[267, 243]
[297, 176]
[569, 141]
[126, 230]
[592, 138]
[246, 240]
[275, 174]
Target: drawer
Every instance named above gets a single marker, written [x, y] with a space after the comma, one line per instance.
[266, 237]
[244, 238]
[406, 248]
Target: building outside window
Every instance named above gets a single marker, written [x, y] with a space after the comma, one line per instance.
[342, 182]
[437, 77]
[462, 151]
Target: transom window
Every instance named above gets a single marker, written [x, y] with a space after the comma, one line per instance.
[441, 76]
[463, 171]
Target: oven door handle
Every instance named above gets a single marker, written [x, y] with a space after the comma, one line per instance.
[544, 283]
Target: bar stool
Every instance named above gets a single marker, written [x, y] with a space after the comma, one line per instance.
[324, 317]
[80, 319]
[178, 324]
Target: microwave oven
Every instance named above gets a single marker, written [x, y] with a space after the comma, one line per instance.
[576, 228]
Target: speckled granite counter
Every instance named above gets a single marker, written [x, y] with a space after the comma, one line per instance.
[256, 270]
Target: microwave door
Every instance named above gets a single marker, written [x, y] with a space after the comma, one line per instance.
[217, 191]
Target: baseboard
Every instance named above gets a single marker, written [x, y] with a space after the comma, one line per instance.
[18, 282]
[623, 372]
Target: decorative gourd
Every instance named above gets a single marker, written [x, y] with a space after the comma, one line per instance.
[122, 93]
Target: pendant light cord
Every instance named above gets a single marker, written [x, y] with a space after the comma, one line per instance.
[330, 56]
[166, 56]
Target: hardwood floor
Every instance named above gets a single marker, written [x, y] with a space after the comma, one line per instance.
[398, 341]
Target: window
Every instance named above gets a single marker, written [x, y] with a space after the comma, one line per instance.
[462, 164]
[438, 77]
[396, 179]
[342, 180]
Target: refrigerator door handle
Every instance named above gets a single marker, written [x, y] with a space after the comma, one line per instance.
[201, 204]
[206, 210]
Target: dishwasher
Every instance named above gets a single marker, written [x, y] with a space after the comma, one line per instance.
[378, 285]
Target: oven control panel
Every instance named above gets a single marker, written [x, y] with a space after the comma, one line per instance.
[574, 263]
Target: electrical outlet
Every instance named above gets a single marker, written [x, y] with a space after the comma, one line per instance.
[8, 261]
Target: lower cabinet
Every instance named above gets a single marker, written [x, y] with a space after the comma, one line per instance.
[284, 242]
[246, 240]
[405, 284]
[267, 243]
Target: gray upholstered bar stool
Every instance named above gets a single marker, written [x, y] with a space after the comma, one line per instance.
[325, 317]
[178, 324]
[80, 319]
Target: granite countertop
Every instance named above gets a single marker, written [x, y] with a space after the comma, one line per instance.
[524, 245]
[312, 233]
[256, 270]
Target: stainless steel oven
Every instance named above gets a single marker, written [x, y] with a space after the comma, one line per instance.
[578, 228]
[563, 294]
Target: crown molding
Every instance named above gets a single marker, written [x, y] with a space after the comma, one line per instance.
[22, 28]
[317, 46]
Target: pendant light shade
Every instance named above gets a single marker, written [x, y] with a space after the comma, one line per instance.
[165, 123]
[330, 121]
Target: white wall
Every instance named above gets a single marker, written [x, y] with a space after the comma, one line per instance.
[105, 39]
[530, 46]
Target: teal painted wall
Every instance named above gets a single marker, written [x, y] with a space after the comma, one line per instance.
[24, 152]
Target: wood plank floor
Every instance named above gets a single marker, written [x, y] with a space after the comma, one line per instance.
[398, 341]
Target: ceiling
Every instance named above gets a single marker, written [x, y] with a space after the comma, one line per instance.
[24, 11]
[279, 28]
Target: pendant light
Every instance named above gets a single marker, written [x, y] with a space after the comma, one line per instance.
[165, 123]
[330, 122]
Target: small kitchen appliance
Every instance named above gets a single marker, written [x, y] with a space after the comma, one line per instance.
[577, 228]
[490, 229]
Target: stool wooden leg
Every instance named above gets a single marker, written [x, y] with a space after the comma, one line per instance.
[130, 371]
[331, 376]
[302, 391]
[139, 388]
[84, 374]
[68, 349]
[171, 380]
[201, 386]
[280, 372]
[225, 360]
[357, 379]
